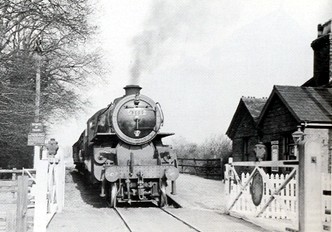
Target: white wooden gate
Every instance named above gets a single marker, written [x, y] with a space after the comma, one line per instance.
[279, 196]
[302, 196]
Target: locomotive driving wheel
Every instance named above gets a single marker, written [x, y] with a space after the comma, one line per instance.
[162, 197]
[112, 193]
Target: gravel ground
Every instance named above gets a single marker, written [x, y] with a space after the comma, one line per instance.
[197, 192]
[192, 191]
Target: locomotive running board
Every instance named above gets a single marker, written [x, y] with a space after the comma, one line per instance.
[100, 136]
[163, 134]
[113, 136]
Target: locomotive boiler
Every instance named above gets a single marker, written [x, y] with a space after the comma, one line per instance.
[122, 150]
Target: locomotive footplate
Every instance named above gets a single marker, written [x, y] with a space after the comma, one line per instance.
[114, 173]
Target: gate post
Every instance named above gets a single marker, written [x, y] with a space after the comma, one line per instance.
[226, 179]
[40, 221]
[22, 203]
[60, 187]
[311, 151]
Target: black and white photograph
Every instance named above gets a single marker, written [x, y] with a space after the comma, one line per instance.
[165, 115]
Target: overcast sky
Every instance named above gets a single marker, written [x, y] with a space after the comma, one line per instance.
[197, 58]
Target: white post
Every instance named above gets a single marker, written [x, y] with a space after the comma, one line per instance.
[40, 222]
[311, 153]
[227, 177]
[60, 183]
[228, 181]
[36, 156]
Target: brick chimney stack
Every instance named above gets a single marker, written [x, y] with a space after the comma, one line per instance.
[322, 55]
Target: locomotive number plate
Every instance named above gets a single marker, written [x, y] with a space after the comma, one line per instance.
[136, 112]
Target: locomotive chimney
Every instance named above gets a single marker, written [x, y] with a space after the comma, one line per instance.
[132, 89]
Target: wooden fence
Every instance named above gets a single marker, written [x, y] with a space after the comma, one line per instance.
[15, 200]
[29, 198]
[209, 168]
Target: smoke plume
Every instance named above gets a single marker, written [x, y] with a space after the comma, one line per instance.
[177, 22]
[163, 24]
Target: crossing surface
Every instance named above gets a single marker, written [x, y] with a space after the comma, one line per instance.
[202, 202]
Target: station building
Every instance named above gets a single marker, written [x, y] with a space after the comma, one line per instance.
[272, 121]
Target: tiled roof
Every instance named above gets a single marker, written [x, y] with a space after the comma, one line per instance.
[312, 104]
[254, 106]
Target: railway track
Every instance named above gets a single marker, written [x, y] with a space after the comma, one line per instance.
[173, 222]
[179, 219]
[137, 217]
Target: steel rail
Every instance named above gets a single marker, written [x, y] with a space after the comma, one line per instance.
[123, 220]
[179, 219]
[166, 211]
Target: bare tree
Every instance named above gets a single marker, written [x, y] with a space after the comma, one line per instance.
[63, 28]
[215, 146]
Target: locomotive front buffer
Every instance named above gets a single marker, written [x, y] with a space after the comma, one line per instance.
[136, 180]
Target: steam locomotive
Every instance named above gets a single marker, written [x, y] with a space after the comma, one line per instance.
[122, 150]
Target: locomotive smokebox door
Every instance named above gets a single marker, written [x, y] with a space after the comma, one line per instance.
[136, 118]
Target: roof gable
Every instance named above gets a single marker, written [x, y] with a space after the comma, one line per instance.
[306, 104]
[254, 106]
[247, 106]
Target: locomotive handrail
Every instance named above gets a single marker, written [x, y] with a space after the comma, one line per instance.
[161, 113]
